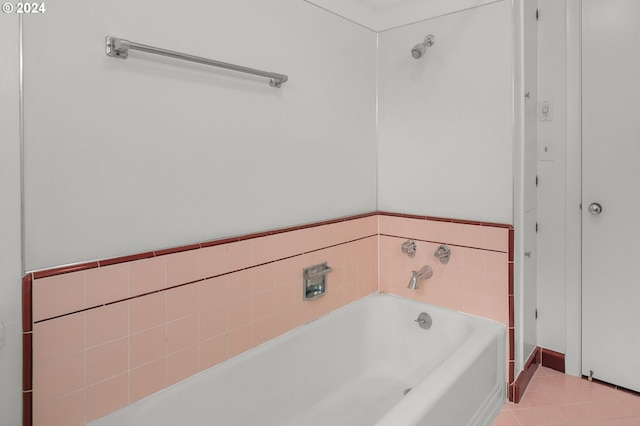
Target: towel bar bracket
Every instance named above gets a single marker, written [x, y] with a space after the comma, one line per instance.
[116, 48]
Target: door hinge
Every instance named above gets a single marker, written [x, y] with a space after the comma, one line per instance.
[537, 14]
[536, 313]
[536, 227]
[536, 180]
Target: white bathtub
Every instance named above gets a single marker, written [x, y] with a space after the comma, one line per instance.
[348, 368]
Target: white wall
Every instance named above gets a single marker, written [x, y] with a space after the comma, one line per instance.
[10, 239]
[552, 173]
[445, 121]
[124, 156]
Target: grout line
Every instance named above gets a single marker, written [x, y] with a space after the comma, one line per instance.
[440, 242]
[201, 279]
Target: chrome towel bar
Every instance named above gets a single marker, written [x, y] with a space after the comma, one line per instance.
[119, 48]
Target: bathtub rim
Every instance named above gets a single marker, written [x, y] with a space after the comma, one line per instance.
[402, 410]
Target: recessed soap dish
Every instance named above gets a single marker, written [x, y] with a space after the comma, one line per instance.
[314, 281]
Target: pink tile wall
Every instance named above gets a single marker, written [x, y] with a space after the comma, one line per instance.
[476, 279]
[87, 288]
[109, 336]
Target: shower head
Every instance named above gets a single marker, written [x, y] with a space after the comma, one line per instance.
[418, 50]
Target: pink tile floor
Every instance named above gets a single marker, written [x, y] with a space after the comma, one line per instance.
[553, 398]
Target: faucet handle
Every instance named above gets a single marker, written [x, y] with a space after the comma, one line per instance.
[443, 254]
[410, 248]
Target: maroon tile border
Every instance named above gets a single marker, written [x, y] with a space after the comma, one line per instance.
[172, 250]
[517, 388]
[125, 259]
[27, 350]
[511, 277]
[44, 273]
[512, 338]
[27, 312]
[27, 408]
[497, 225]
[64, 270]
[445, 219]
[511, 244]
[176, 250]
[220, 242]
[512, 313]
[552, 359]
[27, 362]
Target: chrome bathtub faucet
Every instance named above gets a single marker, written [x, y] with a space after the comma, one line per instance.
[424, 273]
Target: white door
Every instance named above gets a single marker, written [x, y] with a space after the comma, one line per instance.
[611, 191]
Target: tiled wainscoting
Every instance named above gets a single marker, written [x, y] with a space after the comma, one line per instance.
[478, 279]
[104, 334]
[107, 336]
